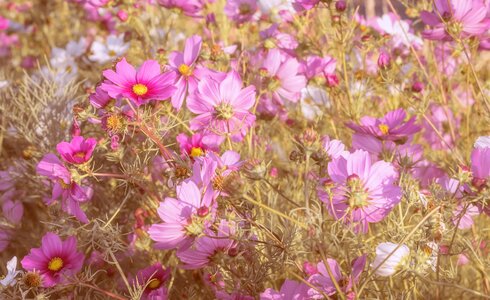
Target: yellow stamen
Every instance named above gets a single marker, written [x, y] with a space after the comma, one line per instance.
[79, 155]
[140, 89]
[154, 284]
[185, 70]
[384, 128]
[55, 264]
[196, 151]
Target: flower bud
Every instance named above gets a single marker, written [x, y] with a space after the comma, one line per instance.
[384, 60]
[340, 6]
[122, 15]
[417, 87]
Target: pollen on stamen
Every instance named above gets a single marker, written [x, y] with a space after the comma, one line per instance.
[140, 89]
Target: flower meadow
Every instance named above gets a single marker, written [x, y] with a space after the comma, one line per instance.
[244, 149]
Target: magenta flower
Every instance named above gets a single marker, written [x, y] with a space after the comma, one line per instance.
[198, 144]
[455, 19]
[324, 283]
[55, 260]
[184, 67]
[100, 99]
[390, 127]
[78, 151]
[184, 218]
[290, 289]
[302, 5]
[363, 192]
[240, 11]
[139, 86]
[64, 187]
[281, 77]
[154, 277]
[210, 246]
[191, 8]
[223, 107]
[315, 65]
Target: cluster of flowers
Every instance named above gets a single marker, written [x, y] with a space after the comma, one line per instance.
[214, 120]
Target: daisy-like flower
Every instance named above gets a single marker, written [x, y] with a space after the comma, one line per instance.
[113, 48]
[141, 86]
[386, 264]
[153, 278]
[9, 279]
[290, 289]
[223, 107]
[55, 260]
[390, 127]
[198, 144]
[280, 74]
[184, 218]
[78, 150]
[210, 248]
[313, 101]
[184, 67]
[64, 187]
[240, 11]
[363, 192]
[456, 19]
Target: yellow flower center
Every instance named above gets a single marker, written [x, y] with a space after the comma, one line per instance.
[55, 264]
[112, 53]
[140, 89]
[384, 128]
[114, 123]
[224, 111]
[196, 151]
[80, 155]
[185, 70]
[154, 284]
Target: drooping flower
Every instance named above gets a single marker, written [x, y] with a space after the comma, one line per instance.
[184, 218]
[240, 11]
[112, 48]
[453, 19]
[223, 107]
[78, 150]
[290, 289]
[141, 86]
[386, 264]
[198, 144]
[390, 127]
[154, 278]
[9, 279]
[64, 187]
[55, 260]
[208, 248]
[281, 76]
[363, 192]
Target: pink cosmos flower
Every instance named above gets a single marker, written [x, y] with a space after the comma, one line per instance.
[455, 19]
[191, 8]
[139, 86]
[390, 127]
[302, 5]
[55, 260]
[324, 283]
[99, 99]
[273, 38]
[315, 65]
[290, 289]
[441, 117]
[78, 151]
[223, 107]
[240, 11]
[184, 218]
[154, 278]
[363, 192]
[64, 187]
[281, 76]
[208, 247]
[480, 167]
[186, 72]
[198, 144]
[4, 23]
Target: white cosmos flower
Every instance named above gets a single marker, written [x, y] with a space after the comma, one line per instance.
[113, 47]
[483, 142]
[9, 279]
[393, 263]
[313, 99]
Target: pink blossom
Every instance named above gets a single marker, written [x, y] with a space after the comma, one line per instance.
[290, 289]
[302, 5]
[198, 144]
[64, 187]
[315, 65]
[139, 86]
[190, 8]
[441, 117]
[273, 38]
[184, 218]
[223, 107]
[240, 11]
[455, 19]
[78, 150]
[55, 260]
[281, 76]
[363, 192]
[154, 278]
